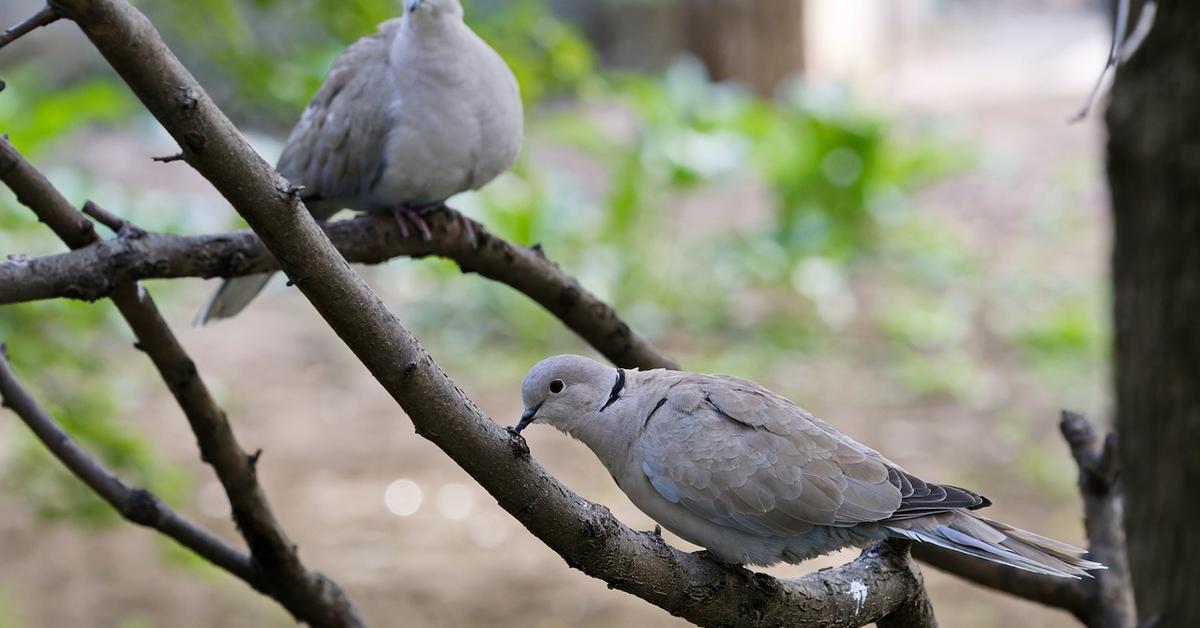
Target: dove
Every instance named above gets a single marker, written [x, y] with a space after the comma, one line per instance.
[753, 478]
[406, 118]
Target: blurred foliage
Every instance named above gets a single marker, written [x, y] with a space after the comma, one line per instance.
[8, 612]
[35, 113]
[267, 57]
[778, 284]
[61, 346]
[737, 232]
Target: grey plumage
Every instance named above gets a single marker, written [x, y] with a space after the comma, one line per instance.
[406, 118]
[752, 477]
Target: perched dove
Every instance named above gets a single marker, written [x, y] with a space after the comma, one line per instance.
[752, 477]
[420, 111]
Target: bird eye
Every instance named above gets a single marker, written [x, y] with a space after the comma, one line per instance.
[556, 386]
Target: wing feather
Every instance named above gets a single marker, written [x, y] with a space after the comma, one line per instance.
[740, 456]
[347, 111]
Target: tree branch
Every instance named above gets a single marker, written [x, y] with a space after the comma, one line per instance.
[1111, 591]
[586, 535]
[42, 18]
[93, 272]
[137, 505]
[309, 596]
[1103, 601]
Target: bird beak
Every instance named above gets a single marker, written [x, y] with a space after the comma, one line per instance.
[411, 5]
[527, 417]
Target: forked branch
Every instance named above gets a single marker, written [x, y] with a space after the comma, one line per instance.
[134, 504]
[308, 595]
[1103, 601]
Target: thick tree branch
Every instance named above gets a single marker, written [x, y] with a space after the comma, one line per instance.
[1103, 601]
[585, 534]
[309, 596]
[42, 18]
[135, 504]
[93, 272]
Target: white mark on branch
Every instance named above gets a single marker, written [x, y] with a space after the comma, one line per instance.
[858, 591]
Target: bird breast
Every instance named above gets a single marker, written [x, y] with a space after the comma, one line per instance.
[457, 124]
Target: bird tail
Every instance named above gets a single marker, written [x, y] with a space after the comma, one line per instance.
[232, 297]
[997, 542]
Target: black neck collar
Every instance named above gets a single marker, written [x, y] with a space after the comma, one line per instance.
[618, 386]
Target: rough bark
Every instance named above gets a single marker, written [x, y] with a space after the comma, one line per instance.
[1110, 593]
[692, 586]
[1102, 601]
[1154, 176]
[882, 585]
[308, 595]
[42, 18]
[95, 271]
[137, 505]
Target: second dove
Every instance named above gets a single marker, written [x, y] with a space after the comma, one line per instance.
[747, 474]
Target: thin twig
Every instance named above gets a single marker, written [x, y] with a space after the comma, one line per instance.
[135, 504]
[42, 18]
[166, 159]
[114, 222]
[307, 595]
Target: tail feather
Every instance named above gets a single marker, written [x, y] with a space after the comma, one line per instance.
[997, 542]
[232, 297]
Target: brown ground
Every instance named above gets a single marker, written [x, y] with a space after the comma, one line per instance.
[334, 441]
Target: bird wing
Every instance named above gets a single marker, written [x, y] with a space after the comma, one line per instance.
[336, 151]
[741, 456]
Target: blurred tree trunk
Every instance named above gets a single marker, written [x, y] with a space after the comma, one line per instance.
[1154, 174]
[757, 42]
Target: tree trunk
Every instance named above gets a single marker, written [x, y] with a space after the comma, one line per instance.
[757, 42]
[1154, 175]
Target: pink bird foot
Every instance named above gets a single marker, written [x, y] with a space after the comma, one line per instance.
[404, 215]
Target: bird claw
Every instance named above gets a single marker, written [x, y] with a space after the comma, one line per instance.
[466, 224]
[468, 227]
[405, 215]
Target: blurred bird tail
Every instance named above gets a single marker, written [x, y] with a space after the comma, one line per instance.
[976, 536]
[232, 297]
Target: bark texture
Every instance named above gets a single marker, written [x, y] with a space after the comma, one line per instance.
[1154, 173]
[881, 586]
[308, 595]
[95, 271]
[586, 535]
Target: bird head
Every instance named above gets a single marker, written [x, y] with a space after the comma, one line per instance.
[432, 8]
[565, 389]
